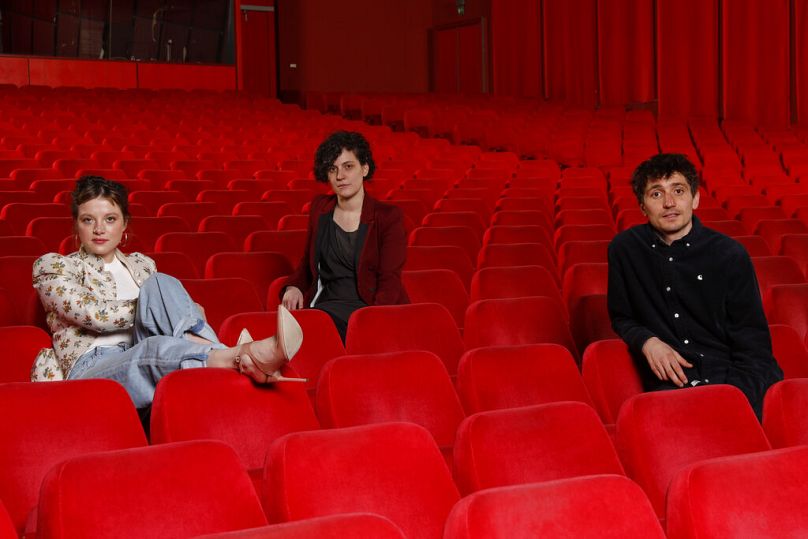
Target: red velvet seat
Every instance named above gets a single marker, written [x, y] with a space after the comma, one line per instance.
[775, 270]
[773, 230]
[495, 377]
[786, 305]
[659, 433]
[522, 217]
[17, 215]
[411, 386]
[393, 328]
[516, 254]
[50, 231]
[513, 282]
[329, 527]
[237, 227]
[592, 507]
[22, 344]
[391, 469]
[610, 376]
[45, 423]
[578, 252]
[790, 351]
[148, 229]
[270, 212]
[15, 274]
[532, 444]
[460, 236]
[321, 341]
[784, 418]
[176, 264]
[584, 279]
[244, 415]
[190, 212]
[510, 321]
[517, 234]
[7, 530]
[152, 200]
[223, 297]
[468, 219]
[567, 233]
[199, 246]
[260, 268]
[440, 257]
[796, 247]
[441, 286]
[173, 490]
[22, 246]
[294, 221]
[758, 495]
[290, 243]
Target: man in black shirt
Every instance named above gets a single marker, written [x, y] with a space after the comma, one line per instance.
[683, 297]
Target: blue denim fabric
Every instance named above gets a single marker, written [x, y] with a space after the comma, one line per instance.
[165, 313]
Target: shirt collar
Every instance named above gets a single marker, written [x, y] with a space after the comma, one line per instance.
[688, 239]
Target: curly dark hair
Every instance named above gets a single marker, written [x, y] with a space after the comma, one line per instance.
[328, 151]
[90, 187]
[660, 167]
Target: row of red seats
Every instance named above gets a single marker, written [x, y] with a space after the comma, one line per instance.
[304, 474]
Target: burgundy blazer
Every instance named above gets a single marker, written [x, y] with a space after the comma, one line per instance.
[381, 248]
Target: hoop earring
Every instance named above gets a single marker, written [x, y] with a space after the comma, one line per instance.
[125, 239]
[76, 241]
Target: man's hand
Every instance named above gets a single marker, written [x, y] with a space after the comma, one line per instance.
[665, 361]
[292, 298]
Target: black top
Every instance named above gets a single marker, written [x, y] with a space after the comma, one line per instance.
[337, 272]
[700, 296]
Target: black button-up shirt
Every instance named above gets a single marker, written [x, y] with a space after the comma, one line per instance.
[700, 296]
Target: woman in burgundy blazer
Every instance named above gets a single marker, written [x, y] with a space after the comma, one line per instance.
[356, 245]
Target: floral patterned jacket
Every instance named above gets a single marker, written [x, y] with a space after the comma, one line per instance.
[79, 299]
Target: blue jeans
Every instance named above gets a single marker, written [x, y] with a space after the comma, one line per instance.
[165, 313]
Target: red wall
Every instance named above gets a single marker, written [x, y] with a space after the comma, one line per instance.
[356, 45]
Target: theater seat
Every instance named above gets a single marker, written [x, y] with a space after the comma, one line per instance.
[441, 286]
[330, 527]
[610, 376]
[244, 415]
[199, 246]
[526, 320]
[659, 433]
[758, 495]
[321, 342]
[260, 268]
[45, 423]
[532, 444]
[21, 345]
[440, 257]
[786, 305]
[496, 377]
[417, 326]
[223, 297]
[784, 418]
[594, 507]
[172, 490]
[7, 530]
[15, 276]
[789, 351]
[411, 386]
[391, 469]
[514, 282]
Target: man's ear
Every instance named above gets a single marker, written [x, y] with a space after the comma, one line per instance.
[696, 199]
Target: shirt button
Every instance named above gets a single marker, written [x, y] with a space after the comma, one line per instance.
[676, 315]
[670, 259]
[686, 341]
[687, 245]
[667, 289]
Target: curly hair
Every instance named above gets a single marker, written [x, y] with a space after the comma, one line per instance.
[91, 187]
[328, 151]
[660, 167]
